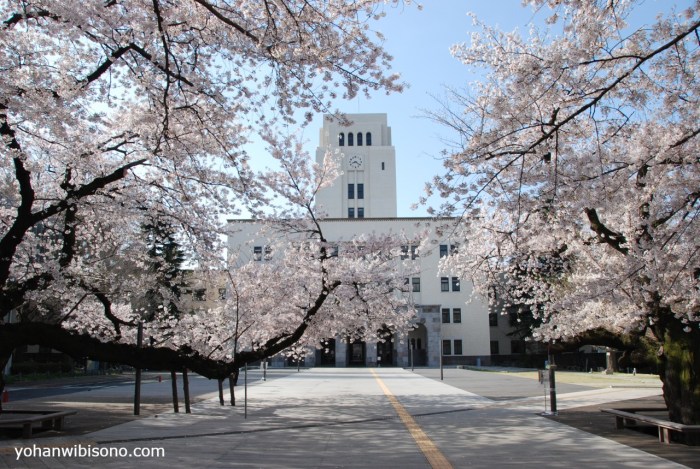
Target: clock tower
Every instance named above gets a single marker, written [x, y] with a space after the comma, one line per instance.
[367, 187]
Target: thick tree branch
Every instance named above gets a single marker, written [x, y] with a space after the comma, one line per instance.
[604, 234]
[23, 219]
[284, 341]
[19, 17]
[86, 190]
[82, 345]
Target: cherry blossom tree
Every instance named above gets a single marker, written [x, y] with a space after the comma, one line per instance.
[578, 169]
[304, 288]
[116, 113]
[304, 291]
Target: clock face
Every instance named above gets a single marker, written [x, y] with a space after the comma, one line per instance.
[355, 161]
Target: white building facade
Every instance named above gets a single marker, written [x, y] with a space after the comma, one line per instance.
[363, 200]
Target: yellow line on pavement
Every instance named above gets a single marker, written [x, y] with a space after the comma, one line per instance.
[434, 456]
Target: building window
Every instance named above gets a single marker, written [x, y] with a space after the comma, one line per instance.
[382, 166]
[222, 293]
[360, 212]
[350, 139]
[351, 191]
[405, 252]
[513, 319]
[351, 212]
[446, 347]
[457, 315]
[416, 284]
[444, 284]
[368, 140]
[458, 347]
[341, 139]
[360, 190]
[446, 250]
[493, 319]
[258, 253]
[199, 294]
[445, 315]
[494, 347]
[359, 139]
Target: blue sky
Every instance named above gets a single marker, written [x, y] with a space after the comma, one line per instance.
[420, 41]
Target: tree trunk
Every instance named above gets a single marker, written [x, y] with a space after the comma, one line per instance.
[680, 371]
[173, 383]
[186, 391]
[5, 354]
[233, 381]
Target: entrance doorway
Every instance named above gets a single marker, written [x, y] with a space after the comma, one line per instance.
[327, 353]
[356, 353]
[418, 343]
[385, 349]
[385, 353]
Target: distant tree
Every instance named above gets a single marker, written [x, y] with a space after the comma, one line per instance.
[586, 143]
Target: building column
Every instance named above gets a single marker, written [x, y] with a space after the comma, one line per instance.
[371, 354]
[341, 351]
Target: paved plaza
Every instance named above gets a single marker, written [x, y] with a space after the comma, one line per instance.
[359, 418]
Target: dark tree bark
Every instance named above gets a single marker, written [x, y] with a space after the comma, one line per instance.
[679, 359]
[186, 391]
[232, 381]
[173, 383]
[79, 345]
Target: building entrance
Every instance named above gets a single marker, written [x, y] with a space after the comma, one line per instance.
[417, 346]
[356, 353]
[327, 353]
[385, 353]
[385, 349]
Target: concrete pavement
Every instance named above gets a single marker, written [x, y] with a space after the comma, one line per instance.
[349, 417]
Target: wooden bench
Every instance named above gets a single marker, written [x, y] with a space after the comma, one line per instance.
[630, 417]
[27, 418]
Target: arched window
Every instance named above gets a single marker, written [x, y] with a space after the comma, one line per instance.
[341, 139]
[359, 139]
[368, 140]
[350, 138]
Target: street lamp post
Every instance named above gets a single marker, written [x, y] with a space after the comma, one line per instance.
[137, 384]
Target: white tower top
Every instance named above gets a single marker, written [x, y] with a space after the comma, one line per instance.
[367, 187]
